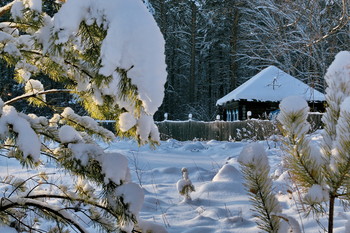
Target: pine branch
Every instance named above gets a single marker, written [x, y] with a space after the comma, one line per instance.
[261, 199]
[70, 198]
[29, 95]
[294, 128]
[301, 164]
[6, 8]
[25, 181]
[8, 203]
[68, 62]
[94, 45]
[31, 229]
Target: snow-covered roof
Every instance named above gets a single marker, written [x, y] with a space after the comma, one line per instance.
[272, 84]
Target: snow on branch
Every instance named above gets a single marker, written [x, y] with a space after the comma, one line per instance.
[27, 140]
[7, 203]
[38, 93]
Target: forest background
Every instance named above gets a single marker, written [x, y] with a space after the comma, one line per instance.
[213, 46]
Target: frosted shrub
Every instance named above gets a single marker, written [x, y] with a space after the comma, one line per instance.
[184, 185]
[110, 55]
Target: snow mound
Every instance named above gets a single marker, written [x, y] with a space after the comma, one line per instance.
[195, 146]
[227, 181]
[201, 220]
[170, 170]
[213, 143]
[5, 229]
[150, 226]
[233, 145]
[152, 203]
[198, 229]
[227, 173]
[172, 143]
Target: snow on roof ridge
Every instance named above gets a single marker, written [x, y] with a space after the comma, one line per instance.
[271, 84]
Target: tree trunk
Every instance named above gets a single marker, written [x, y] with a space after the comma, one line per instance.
[331, 213]
[192, 94]
[234, 40]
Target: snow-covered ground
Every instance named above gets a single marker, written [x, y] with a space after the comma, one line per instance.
[220, 202]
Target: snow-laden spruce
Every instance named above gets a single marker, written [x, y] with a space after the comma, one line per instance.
[320, 173]
[124, 68]
[110, 55]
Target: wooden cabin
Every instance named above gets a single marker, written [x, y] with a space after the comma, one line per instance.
[259, 97]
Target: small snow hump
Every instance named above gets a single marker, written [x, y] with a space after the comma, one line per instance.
[227, 173]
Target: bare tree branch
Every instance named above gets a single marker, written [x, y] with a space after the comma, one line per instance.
[344, 19]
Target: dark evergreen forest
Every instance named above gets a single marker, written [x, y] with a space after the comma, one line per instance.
[213, 46]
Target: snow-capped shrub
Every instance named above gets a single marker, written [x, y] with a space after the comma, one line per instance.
[184, 185]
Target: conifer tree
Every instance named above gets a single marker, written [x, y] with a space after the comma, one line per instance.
[323, 177]
[110, 56]
[255, 167]
[320, 173]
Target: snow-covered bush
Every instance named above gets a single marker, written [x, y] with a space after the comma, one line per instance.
[321, 173]
[184, 185]
[110, 54]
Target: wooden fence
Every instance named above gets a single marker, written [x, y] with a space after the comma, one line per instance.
[221, 130]
[217, 130]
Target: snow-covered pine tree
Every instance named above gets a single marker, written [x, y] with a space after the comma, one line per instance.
[110, 56]
[321, 173]
[323, 177]
[256, 168]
